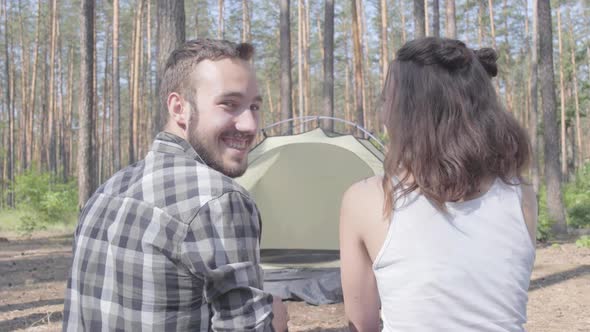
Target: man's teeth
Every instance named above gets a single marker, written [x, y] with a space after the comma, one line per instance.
[236, 144]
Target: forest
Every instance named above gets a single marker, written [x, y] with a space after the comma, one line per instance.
[79, 80]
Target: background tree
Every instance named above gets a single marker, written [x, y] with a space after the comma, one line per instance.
[435, 18]
[328, 86]
[419, 23]
[85, 164]
[171, 34]
[285, 53]
[546, 77]
[451, 24]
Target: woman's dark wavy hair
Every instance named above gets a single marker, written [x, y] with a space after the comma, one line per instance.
[447, 127]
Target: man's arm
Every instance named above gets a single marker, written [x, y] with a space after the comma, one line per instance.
[222, 247]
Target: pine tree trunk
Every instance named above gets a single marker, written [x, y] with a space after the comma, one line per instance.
[33, 89]
[8, 94]
[134, 119]
[102, 145]
[451, 24]
[419, 27]
[285, 54]
[564, 158]
[300, 60]
[270, 103]
[480, 29]
[492, 24]
[51, 121]
[116, 97]
[245, 22]
[384, 53]
[533, 118]
[435, 18]
[580, 159]
[358, 67]
[551, 144]
[328, 87]
[25, 98]
[403, 19]
[71, 162]
[85, 162]
[171, 34]
[221, 20]
[426, 19]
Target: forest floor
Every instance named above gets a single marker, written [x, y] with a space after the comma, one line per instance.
[33, 273]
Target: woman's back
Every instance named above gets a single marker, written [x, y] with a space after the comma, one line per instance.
[429, 264]
[464, 270]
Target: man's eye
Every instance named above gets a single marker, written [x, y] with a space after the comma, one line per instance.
[255, 108]
[230, 104]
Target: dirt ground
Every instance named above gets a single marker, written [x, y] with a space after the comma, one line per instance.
[33, 274]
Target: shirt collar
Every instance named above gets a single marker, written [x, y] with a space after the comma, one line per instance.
[166, 142]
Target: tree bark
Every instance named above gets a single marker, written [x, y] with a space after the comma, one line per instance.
[533, 113]
[328, 87]
[426, 19]
[171, 34]
[419, 27]
[245, 22]
[85, 162]
[25, 97]
[221, 20]
[116, 91]
[300, 60]
[135, 77]
[435, 18]
[384, 53]
[564, 171]
[51, 121]
[480, 30]
[7, 99]
[358, 66]
[451, 23]
[492, 24]
[403, 18]
[580, 159]
[551, 144]
[285, 54]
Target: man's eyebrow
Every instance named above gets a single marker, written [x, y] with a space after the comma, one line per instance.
[258, 98]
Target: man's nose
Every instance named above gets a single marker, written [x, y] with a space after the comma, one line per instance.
[247, 121]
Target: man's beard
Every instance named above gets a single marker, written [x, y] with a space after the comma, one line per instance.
[208, 157]
[203, 147]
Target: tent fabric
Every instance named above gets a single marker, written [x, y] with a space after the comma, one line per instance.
[297, 182]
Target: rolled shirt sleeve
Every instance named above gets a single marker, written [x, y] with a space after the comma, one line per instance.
[222, 248]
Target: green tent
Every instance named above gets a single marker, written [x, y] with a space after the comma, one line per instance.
[298, 181]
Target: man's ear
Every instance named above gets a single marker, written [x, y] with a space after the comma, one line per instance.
[177, 110]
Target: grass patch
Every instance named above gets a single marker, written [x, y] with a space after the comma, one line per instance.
[22, 222]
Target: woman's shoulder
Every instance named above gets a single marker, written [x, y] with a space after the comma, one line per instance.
[363, 200]
[365, 189]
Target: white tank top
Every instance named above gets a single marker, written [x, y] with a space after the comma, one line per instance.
[468, 270]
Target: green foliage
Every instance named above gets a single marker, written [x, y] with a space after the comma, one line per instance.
[44, 200]
[583, 242]
[576, 196]
[577, 199]
[544, 222]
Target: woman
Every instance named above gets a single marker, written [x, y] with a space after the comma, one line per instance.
[444, 241]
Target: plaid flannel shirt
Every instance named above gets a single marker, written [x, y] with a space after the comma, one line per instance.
[168, 244]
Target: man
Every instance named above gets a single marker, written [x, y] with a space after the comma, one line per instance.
[171, 243]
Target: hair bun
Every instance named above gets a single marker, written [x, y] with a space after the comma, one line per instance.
[487, 57]
[454, 54]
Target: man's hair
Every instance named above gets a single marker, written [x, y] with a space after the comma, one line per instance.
[447, 127]
[183, 60]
